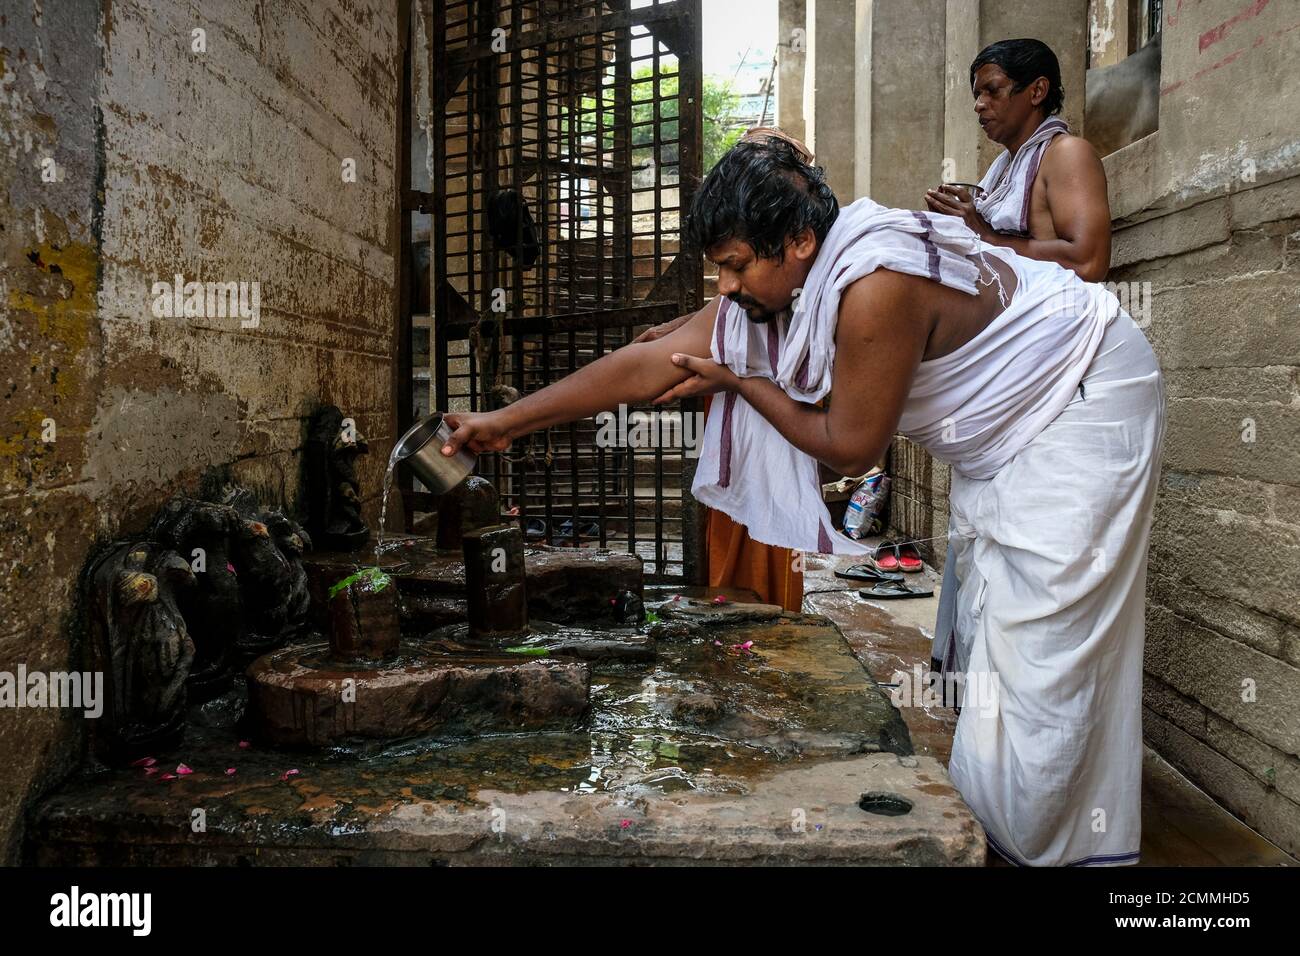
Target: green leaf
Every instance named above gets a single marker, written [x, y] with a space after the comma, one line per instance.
[371, 580]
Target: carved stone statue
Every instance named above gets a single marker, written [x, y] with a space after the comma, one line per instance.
[140, 642]
[333, 493]
[201, 533]
[267, 554]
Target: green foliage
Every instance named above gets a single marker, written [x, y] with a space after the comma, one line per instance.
[720, 101]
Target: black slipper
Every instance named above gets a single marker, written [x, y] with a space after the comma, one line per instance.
[865, 572]
[895, 589]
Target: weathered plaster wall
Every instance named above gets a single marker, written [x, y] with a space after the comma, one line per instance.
[50, 366]
[222, 164]
[1208, 213]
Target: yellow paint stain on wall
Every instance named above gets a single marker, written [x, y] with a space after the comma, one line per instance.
[66, 322]
[61, 322]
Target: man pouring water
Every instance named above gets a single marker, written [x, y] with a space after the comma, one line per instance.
[836, 328]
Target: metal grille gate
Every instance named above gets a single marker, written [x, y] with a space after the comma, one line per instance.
[587, 114]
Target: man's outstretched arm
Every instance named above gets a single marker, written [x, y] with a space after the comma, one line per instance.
[634, 373]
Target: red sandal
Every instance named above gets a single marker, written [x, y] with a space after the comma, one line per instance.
[887, 558]
[909, 560]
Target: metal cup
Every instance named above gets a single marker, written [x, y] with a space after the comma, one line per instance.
[420, 449]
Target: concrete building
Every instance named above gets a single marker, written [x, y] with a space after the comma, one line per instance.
[1206, 213]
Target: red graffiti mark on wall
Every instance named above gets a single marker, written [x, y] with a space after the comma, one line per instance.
[1166, 90]
[1211, 37]
[1172, 17]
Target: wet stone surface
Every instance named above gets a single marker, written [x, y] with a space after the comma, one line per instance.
[705, 753]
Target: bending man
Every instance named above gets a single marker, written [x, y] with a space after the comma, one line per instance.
[907, 322]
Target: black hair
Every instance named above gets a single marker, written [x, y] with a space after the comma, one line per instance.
[1024, 61]
[763, 193]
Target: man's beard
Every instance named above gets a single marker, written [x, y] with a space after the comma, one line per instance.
[753, 310]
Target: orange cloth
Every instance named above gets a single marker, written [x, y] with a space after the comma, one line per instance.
[737, 561]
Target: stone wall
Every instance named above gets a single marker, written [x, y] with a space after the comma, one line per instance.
[1208, 212]
[217, 155]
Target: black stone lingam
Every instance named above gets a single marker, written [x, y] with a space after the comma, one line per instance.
[494, 581]
[364, 617]
[471, 505]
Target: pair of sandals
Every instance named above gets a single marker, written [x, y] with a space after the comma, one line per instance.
[884, 571]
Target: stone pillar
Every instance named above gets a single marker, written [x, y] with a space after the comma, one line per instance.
[899, 100]
[791, 61]
[1110, 28]
[494, 581]
[973, 24]
[471, 505]
[829, 91]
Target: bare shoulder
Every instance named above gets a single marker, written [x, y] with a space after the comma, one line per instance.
[1071, 155]
[875, 304]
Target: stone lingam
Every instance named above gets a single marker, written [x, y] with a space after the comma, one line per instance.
[368, 682]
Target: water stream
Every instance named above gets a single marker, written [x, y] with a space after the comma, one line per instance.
[383, 506]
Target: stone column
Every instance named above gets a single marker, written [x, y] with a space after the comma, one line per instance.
[791, 61]
[899, 100]
[973, 24]
[829, 83]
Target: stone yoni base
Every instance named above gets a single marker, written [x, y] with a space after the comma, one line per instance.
[301, 698]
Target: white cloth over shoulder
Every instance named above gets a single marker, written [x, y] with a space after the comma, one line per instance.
[1005, 202]
[746, 469]
[975, 407]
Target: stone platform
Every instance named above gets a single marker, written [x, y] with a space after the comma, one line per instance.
[752, 736]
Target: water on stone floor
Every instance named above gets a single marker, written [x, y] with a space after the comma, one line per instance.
[798, 694]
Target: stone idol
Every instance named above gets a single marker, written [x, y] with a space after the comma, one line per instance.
[330, 480]
[140, 641]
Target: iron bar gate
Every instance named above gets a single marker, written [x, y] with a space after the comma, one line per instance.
[566, 137]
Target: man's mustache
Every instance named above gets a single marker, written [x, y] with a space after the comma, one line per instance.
[745, 302]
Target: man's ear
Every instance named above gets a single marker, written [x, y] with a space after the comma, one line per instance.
[1038, 91]
[804, 244]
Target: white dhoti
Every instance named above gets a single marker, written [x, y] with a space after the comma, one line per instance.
[1043, 599]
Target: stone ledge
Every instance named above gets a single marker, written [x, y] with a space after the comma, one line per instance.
[753, 827]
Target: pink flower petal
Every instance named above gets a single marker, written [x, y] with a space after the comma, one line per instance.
[144, 762]
[230, 771]
[150, 771]
[244, 745]
[182, 770]
[717, 643]
[625, 824]
[720, 599]
[168, 776]
[289, 773]
[230, 567]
